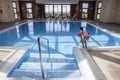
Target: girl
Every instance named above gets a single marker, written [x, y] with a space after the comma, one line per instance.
[83, 36]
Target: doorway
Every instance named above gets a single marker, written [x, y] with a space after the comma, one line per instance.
[86, 9]
[26, 9]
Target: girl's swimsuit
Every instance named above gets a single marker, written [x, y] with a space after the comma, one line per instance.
[85, 37]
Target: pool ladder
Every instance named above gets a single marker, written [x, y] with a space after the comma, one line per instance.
[40, 54]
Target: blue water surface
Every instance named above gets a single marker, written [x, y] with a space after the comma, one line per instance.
[62, 36]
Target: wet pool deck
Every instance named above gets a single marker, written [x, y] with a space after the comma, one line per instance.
[107, 60]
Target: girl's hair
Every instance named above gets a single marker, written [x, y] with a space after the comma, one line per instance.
[81, 28]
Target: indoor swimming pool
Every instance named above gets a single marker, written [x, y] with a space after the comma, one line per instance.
[62, 36]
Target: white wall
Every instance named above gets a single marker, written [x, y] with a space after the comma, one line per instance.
[118, 13]
[9, 10]
[109, 10]
[4, 13]
[6, 6]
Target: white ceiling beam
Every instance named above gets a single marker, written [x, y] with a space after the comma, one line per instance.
[57, 1]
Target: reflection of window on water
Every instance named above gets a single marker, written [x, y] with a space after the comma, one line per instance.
[59, 26]
[17, 29]
[83, 24]
[30, 27]
[96, 31]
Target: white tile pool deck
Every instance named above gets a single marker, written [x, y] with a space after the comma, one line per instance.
[108, 60]
[11, 60]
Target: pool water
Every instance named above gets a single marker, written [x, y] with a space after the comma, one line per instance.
[62, 36]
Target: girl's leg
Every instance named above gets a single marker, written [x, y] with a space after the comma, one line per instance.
[85, 44]
[82, 40]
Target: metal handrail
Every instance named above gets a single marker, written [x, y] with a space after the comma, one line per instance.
[48, 45]
[40, 54]
[48, 50]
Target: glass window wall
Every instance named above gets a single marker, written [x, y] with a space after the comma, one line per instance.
[57, 11]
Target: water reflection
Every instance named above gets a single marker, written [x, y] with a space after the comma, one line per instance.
[57, 26]
[30, 31]
[23, 30]
[101, 38]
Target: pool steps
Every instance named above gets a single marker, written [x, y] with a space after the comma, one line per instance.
[52, 55]
[33, 57]
[55, 66]
[48, 74]
[51, 66]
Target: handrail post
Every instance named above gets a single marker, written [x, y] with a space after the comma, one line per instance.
[40, 54]
[48, 48]
[48, 45]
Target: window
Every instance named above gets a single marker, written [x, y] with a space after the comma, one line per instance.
[66, 10]
[15, 10]
[29, 10]
[48, 10]
[85, 10]
[99, 10]
[57, 10]
[51, 10]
